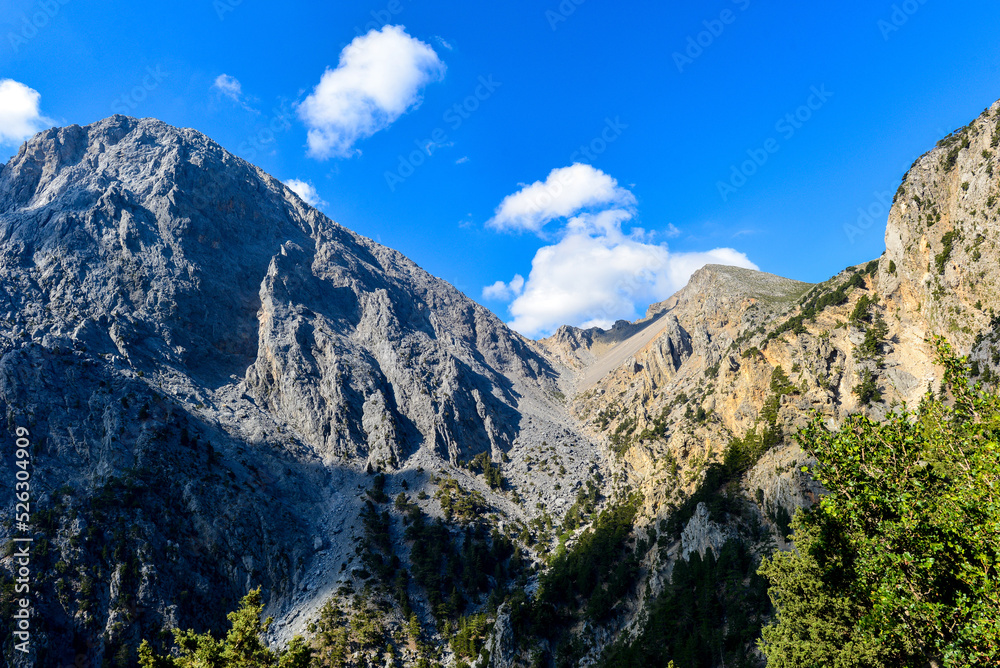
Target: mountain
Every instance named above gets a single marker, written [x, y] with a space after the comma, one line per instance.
[182, 331]
[225, 389]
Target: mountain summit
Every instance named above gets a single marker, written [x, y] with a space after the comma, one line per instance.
[224, 389]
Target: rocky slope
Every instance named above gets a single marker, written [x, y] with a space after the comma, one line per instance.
[736, 351]
[212, 372]
[181, 329]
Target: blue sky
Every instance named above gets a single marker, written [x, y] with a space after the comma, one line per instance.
[667, 98]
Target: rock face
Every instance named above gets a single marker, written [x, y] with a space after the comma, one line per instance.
[210, 370]
[702, 534]
[182, 331]
[156, 246]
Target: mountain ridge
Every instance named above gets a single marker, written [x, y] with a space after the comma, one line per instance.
[208, 361]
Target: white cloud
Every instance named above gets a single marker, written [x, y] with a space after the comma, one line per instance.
[505, 291]
[228, 86]
[379, 78]
[306, 191]
[461, 161]
[597, 274]
[565, 192]
[20, 116]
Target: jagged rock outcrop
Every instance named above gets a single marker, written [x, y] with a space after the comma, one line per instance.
[701, 534]
[195, 349]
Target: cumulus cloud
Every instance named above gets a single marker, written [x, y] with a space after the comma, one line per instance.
[565, 192]
[306, 191]
[20, 116]
[228, 86]
[597, 274]
[379, 78]
[505, 291]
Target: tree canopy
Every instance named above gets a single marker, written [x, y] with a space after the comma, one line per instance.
[243, 646]
[897, 565]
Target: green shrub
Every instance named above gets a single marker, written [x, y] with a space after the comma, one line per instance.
[948, 243]
[896, 567]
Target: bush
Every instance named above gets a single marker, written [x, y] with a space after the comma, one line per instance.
[896, 565]
[867, 389]
[243, 645]
[948, 243]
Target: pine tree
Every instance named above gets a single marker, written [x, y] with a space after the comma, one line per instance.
[243, 646]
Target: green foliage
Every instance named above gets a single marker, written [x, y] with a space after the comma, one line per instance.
[867, 388]
[620, 438]
[896, 565]
[780, 383]
[861, 313]
[459, 503]
[449, 575]
[892, 267]
[377, 491]
[876, 330]
[605, 417]
[698, 416]
[954, 142]
[948, 245]
[658, 429]
[875, 334]
[331, 637]
[814, 303]
[492, 473]
[742, 453]
[243, 646]
[583, 507]
[710, 614]
[589, 580]
[377, 555]
[470, 636]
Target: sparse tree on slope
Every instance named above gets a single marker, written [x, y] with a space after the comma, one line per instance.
[243, 646]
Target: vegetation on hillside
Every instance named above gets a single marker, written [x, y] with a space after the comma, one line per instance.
[897, 565]
[243, 645]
